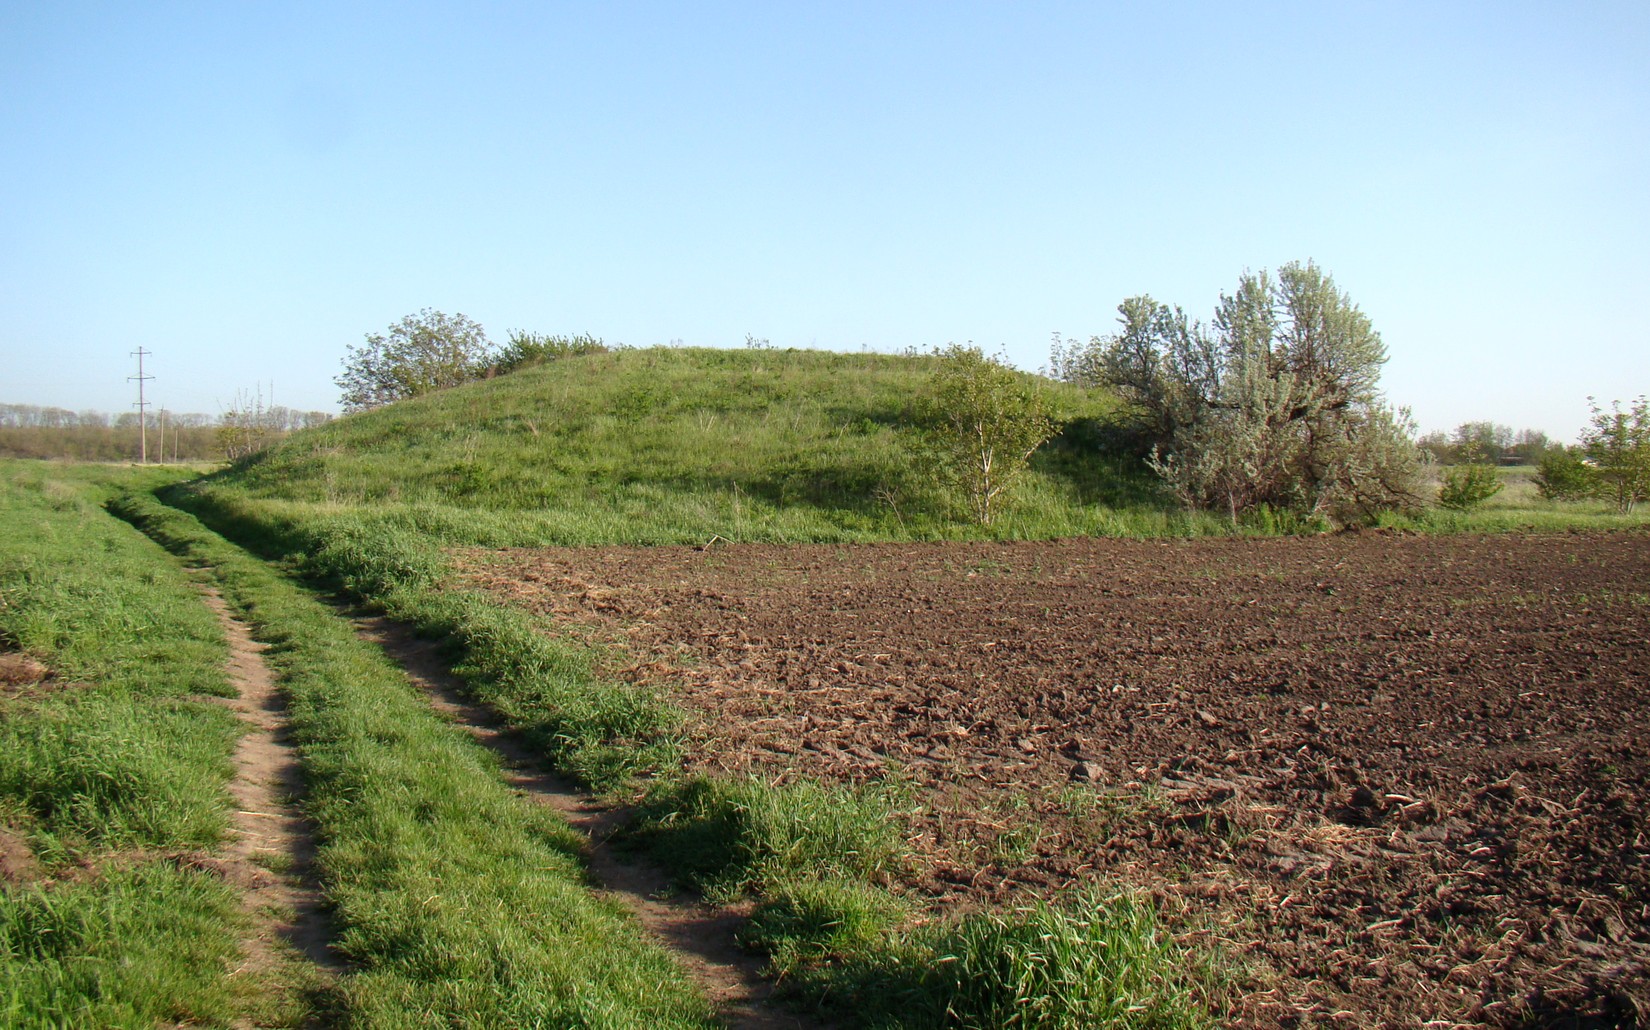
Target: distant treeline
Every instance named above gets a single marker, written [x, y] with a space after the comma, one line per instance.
[36, 431]
[1488, 442]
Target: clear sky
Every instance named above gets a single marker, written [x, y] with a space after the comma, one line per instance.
[245, 189]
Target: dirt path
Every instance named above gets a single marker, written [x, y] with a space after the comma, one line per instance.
[273, 849]
[700, 937]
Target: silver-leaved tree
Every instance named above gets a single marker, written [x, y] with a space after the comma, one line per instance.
[1275, 404]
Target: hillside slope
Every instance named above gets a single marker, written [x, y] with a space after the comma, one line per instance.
[677, 444]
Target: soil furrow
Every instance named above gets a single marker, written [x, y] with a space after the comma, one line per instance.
[699, 936]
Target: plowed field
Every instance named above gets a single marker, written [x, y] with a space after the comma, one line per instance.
[1403, 779]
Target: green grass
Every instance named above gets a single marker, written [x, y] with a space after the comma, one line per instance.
[597, 731]
[1093, 961]
[677, 446]
[1519, 507]
[730, 836]
[115, 752]
[134, 946]
[109, 766]
[806, 926]
[460, 903]
[817, 858]
[96, 771]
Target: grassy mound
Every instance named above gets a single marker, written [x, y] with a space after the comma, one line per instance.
[680, 444]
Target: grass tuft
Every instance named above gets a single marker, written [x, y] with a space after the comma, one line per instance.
[729, 836]
[1094, 961]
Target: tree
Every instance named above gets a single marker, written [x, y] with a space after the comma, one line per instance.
[246, 426]
[1617, 443]
[1276, 404]
[1483, 442]
[423, 352]
[1530, 446]
[989, 420]
[1437, 447]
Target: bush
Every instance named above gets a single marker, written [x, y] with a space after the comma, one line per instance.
[1618, 446]
[428, 351]
[1468, 485]
[1277, 403]
[989, 419]
[525, 349]
[1563, 476]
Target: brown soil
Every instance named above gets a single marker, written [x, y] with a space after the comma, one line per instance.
[17, 861]
[1401, 779]
[699, 937]
[20, 670]
[271, 854]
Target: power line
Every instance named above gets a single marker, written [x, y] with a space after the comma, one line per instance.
[142, 405]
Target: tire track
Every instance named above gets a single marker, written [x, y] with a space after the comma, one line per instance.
[272, 854]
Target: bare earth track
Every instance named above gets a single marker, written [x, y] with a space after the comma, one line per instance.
[271, 854]
[1403, 778]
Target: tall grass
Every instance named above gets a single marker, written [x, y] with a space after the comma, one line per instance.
[729, 836]
[817, 857]
[114, 754]
[138, 945]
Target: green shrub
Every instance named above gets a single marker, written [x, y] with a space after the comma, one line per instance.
[1469, 485]
[526, 349]
[1563, 476]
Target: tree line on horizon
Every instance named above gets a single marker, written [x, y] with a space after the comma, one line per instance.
[46, 432]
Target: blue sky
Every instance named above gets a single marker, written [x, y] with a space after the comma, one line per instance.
[245, 189]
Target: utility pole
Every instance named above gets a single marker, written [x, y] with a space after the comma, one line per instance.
[142, 405]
